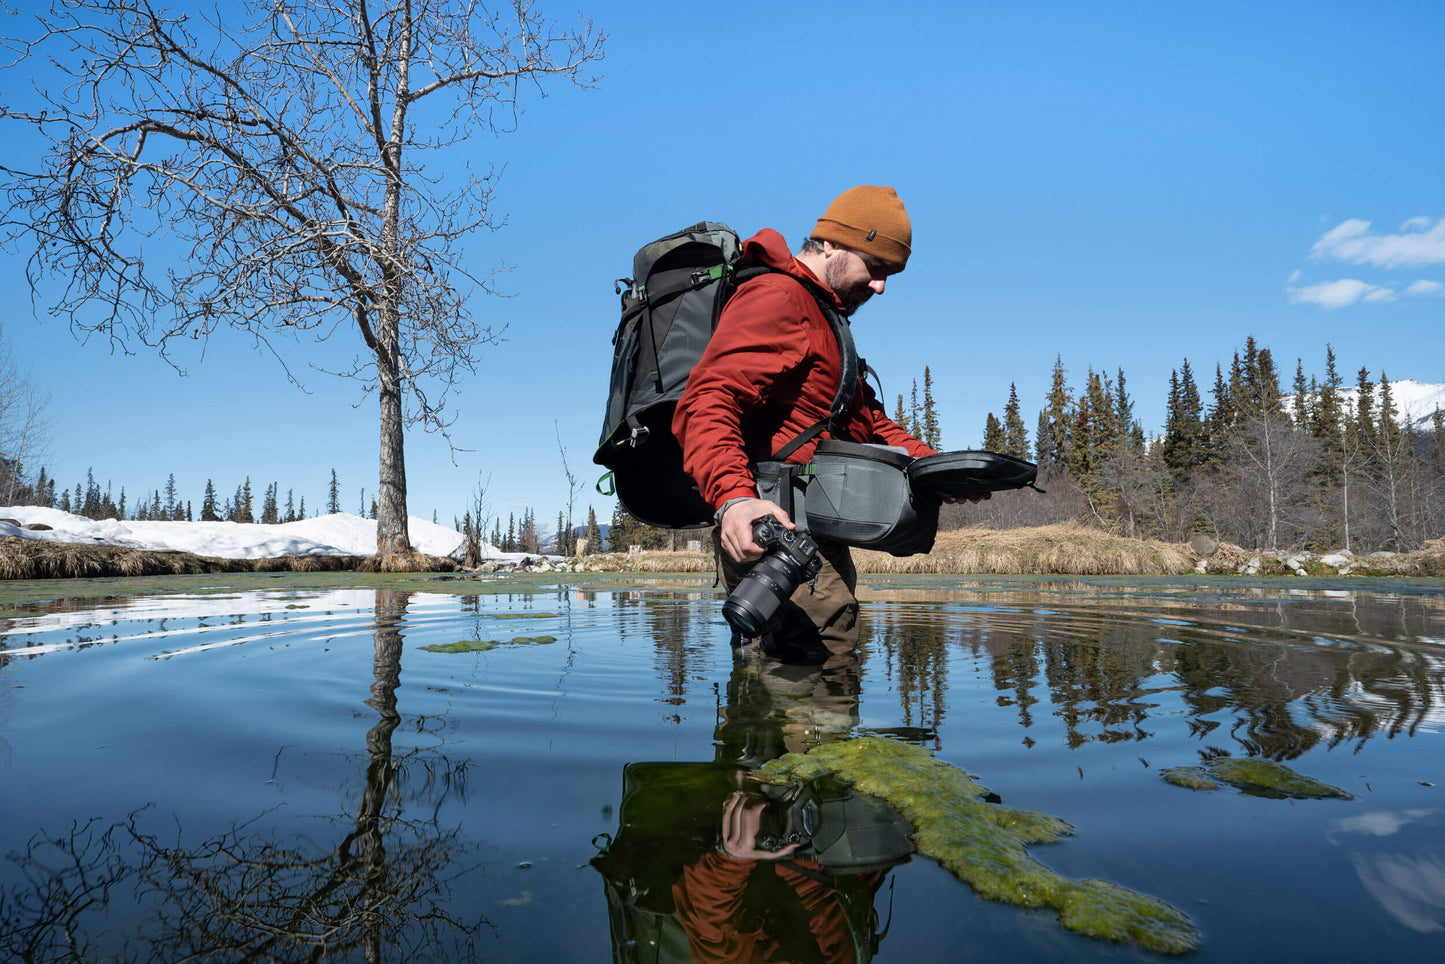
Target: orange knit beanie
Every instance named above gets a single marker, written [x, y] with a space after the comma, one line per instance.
[870, 220]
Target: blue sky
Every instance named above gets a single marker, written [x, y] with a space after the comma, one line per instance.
[1122, 184]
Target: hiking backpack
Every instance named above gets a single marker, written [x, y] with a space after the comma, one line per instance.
[670, 309]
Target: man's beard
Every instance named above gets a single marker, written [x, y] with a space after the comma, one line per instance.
[852, 296]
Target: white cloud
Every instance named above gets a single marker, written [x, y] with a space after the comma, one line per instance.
[1338, 294]
[1425, 288]
[1419, 242]
[1294, 276]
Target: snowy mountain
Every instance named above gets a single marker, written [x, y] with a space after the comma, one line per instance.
[1415, 401]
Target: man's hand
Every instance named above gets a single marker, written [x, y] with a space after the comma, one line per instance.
[976, 497]
[737, 527]
[741, 818]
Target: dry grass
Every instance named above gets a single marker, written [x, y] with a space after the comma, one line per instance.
[36, 559]
[406, 562]
[1065, 549]
[659, 561]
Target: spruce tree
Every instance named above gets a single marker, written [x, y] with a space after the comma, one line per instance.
[244, 509]
[931, 435]
[594, 531]
[915, 422]
[269, 510]
[1054, 452]
[993, 435]
[1015, 433]
[900, 414]
[333, 492]
[208, 504]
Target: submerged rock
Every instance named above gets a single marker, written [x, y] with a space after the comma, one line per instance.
[1193, 778]
[1252, 775]
[982, 844]
[485, 645]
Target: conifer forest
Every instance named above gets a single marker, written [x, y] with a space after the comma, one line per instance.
[1326, 464]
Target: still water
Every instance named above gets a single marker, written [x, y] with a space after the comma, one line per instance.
[270, 773]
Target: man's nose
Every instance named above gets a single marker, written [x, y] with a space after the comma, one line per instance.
[877, 285]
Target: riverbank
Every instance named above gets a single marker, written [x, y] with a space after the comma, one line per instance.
[1068, 549]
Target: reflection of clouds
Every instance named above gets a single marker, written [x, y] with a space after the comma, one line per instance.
[1409, 886]
[1411, 889]
[1381, 823]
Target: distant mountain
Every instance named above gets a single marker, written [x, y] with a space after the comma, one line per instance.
[1415, 401]
[549, 544]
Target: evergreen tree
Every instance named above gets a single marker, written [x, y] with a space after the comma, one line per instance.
[208, 504]
[120, 509]
[1053, 445]
[563, 541]
[931, 435]
[900, 414]
[594, 531]
[64, 505]
[372, 514]
[527, 540]
[269, 510]
[170, 503]
[1300, 404]
[290, 506]
[1183, 448]
[915, 422]
[333, 492]
[1126, 426]
[301, 509]
[244, 508]
[510, 545]
[993, 435]
[1015, 433]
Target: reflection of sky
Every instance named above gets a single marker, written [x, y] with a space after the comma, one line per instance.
[1408, 882]
[49, 632]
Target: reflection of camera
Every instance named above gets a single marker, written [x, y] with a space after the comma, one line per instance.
[789, 817]
[791, 558]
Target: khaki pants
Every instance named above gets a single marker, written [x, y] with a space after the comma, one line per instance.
[819, 623]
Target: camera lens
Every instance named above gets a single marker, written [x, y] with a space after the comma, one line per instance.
[757, 598]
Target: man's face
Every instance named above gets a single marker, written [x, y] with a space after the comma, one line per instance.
[855, 277]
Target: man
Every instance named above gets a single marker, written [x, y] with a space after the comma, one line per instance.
[770, 372]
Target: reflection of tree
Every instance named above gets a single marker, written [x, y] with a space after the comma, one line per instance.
[1279, 676]
[246, 893]
[917, 657]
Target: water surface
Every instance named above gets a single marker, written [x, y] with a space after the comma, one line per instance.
[283, 770]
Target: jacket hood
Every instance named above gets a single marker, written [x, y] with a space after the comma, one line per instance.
[768, 247]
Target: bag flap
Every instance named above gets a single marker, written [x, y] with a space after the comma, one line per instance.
[959, 474]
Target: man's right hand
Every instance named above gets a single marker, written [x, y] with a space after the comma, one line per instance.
[737, 527]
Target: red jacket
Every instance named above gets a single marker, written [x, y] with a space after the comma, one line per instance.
[768, 374]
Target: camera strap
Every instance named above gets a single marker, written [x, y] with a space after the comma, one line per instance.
[850, 365]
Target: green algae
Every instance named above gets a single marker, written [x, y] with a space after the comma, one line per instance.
[486, 645]
[1191, 778]
[1253, 775]
[982, 844]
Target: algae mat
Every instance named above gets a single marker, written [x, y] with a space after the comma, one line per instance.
[983, 844]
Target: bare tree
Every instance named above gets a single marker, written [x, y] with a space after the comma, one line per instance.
[282, 145]
[23, 426]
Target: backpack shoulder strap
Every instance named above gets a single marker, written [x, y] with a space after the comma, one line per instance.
[847, 382]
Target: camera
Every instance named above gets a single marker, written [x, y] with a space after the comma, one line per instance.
[790, 559]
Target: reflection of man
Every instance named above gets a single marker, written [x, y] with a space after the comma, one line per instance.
[769, 374]
[690, 867]
[742, 902]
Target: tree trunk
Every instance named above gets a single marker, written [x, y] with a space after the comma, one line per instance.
[392, 534]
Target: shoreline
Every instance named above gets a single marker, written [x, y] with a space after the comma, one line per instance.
[1068, 549]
